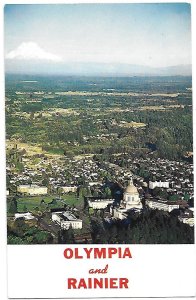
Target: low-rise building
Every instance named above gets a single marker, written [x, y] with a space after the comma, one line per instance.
[187, 217]
[119, 212]
[70, 188]
[99, 203]
[26, 216]
[32, 190]
[92, 183]
[66, 220]
[186, 220]
[159, 184]
[162, 205]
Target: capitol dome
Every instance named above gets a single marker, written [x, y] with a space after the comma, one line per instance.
[131, 199]
[131, 189]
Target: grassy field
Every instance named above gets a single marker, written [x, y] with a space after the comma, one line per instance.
[30, 203]
[71, 199]
[30, 149]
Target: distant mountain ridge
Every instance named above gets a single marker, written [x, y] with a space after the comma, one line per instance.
[185, 70]
[98, 69]
[130, 70]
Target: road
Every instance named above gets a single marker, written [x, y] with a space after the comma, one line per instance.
[52, 228]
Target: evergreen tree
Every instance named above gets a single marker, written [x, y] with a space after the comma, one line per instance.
[13, 206]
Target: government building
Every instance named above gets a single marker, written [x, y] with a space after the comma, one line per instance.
[131, 201]
[66, 220]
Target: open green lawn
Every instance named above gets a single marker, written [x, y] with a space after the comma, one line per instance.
[71, 199]
[30, 203]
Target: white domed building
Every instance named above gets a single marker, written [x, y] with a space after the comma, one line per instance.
[131, 200]
[131, 197]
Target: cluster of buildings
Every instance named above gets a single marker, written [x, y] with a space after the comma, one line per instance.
[174, 176]
[132, 202]
[64, 176]
[58, 174]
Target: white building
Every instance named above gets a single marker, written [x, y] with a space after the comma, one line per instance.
[66, 220]
[32, 189]
[97, 203]
[119, 213]
[162, 205]
[131, 199]
[67, 189]
[187, 217]
[186, 220]
[92, 183]
[159, 184]
[26, 216]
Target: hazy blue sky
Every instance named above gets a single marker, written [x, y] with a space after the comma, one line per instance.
[156, 35]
